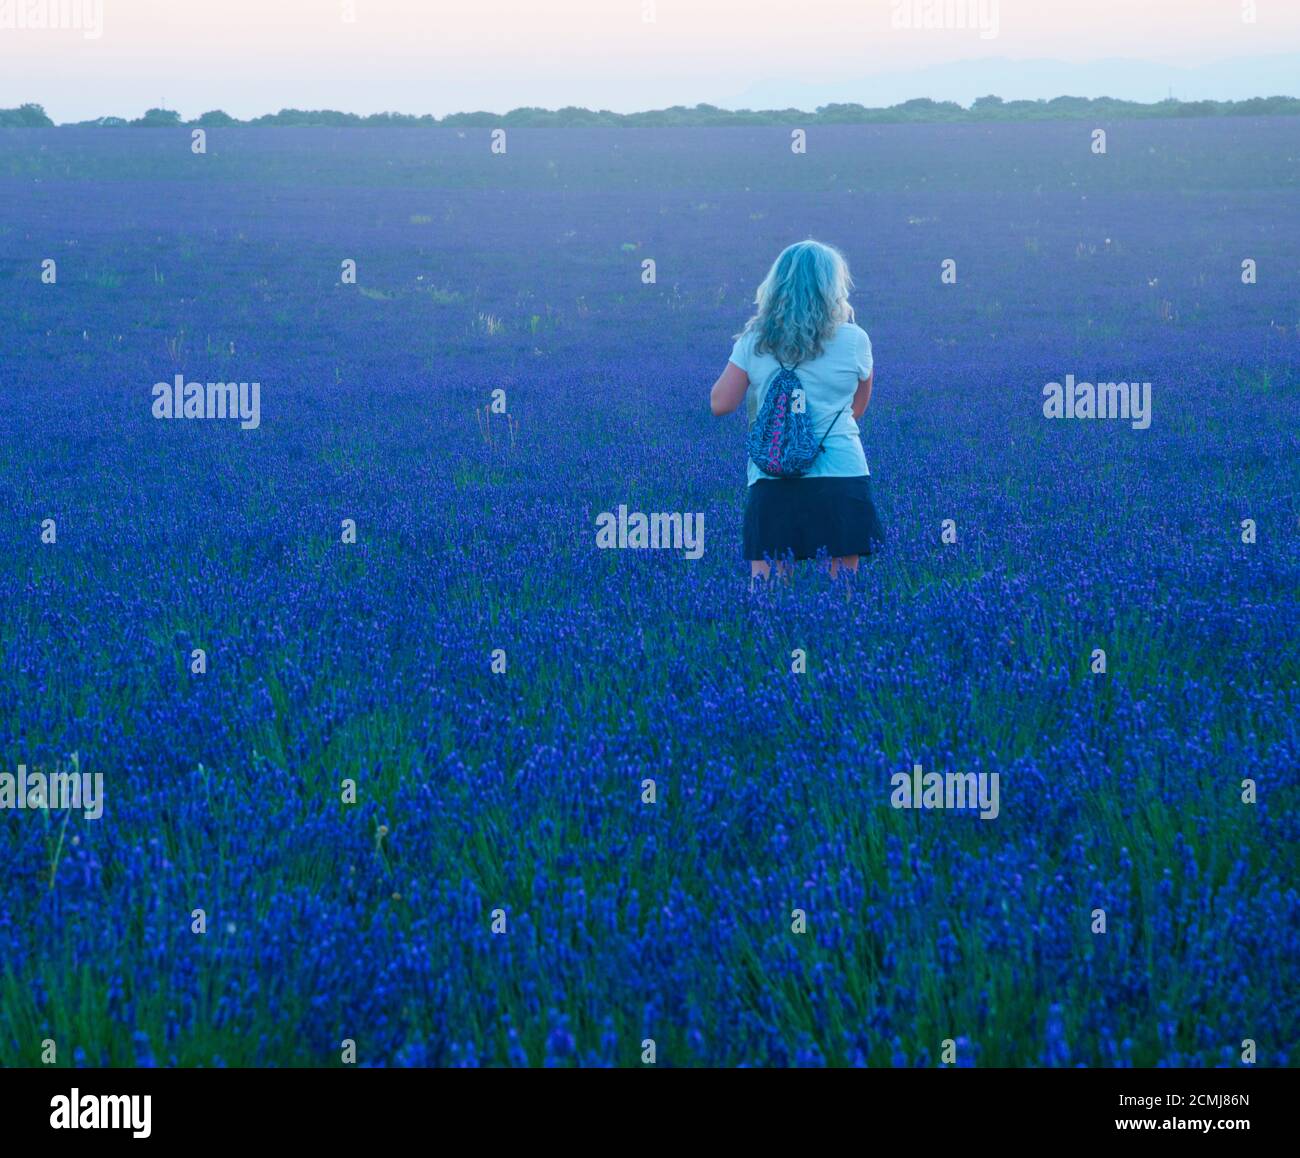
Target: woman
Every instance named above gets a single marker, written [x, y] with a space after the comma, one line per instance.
[804, 319]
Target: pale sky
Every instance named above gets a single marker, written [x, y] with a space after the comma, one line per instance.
[440, 56]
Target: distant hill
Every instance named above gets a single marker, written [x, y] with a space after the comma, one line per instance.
[987, 108]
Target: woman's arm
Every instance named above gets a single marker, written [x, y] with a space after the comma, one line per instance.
[863, 395]
[729, 390]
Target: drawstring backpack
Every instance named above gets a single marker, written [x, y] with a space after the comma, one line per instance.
[780, 440]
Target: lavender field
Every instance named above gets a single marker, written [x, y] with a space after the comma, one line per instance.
[394, 754]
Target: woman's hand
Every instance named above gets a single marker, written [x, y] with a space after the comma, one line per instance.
[729, 390]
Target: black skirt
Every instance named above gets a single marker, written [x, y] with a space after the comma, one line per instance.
[802, 516]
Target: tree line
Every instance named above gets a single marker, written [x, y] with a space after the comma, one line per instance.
[987, 108]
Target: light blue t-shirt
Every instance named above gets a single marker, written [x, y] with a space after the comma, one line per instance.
[829, 383]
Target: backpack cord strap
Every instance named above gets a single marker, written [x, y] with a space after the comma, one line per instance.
[833, 421]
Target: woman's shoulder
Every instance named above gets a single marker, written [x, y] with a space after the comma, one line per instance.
[848, 341]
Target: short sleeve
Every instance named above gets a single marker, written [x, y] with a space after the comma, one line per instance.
[741, 350]
[865, 362]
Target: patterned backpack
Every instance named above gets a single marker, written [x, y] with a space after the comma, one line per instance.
[780, 441]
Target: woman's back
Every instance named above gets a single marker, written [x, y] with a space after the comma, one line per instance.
[829, 383]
